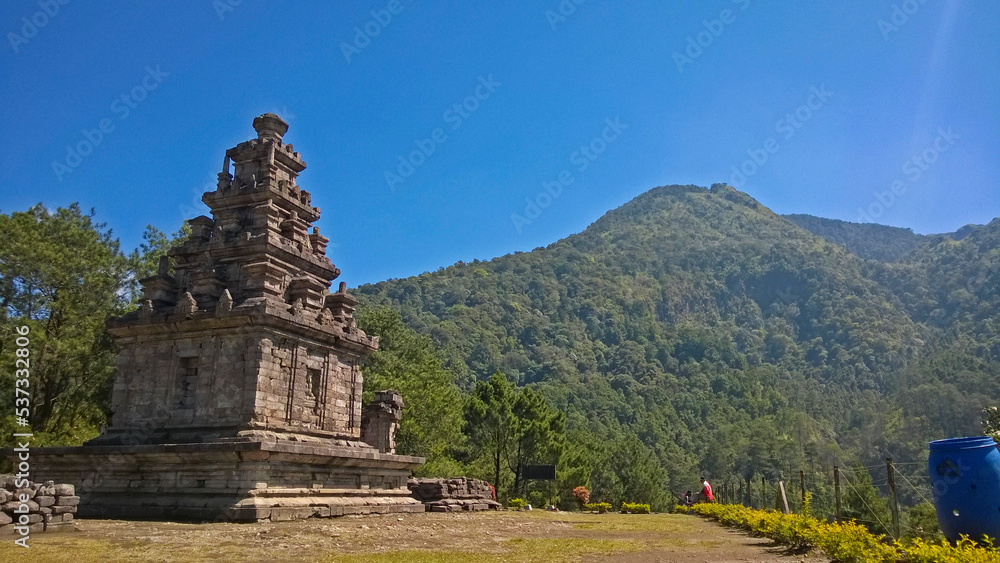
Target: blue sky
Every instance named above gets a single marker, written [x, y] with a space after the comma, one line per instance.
[881, 110]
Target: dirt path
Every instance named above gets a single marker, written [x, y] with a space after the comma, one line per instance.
[495, 536]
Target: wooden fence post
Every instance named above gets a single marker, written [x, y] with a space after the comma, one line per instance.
[781, 500]
[893, 501]
[802, 485]
[836, 489]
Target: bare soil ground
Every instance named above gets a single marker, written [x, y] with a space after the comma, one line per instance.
[478, 537]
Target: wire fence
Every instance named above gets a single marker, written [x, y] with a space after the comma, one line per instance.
[873, 495]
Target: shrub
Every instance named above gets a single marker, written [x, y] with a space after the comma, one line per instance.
[634, 508]
[921, 522]
[582, 495]
[599, 507]
[848, 542]
[517, 503]
[965, 551]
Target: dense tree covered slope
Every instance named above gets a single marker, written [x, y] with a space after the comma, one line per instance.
[726, 338]
[867, 240]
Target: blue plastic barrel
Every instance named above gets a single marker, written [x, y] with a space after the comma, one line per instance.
[965, 473]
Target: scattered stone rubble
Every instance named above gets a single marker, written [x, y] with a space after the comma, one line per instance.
[50, 507]
[452, 495]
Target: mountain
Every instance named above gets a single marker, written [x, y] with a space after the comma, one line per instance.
[727, 338]
[867, 240]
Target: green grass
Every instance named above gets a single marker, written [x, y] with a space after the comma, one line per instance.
[664, 523]
[517, 549]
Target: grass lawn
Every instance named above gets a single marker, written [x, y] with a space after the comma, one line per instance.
[460, 537]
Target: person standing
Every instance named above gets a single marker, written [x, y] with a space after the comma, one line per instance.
[706, 491]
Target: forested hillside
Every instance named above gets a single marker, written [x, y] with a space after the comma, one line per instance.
[728, 339]
[870, 241]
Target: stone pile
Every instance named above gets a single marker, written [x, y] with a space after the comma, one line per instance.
[50, 507]
[452, 495]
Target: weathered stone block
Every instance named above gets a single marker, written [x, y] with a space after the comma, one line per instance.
[14, 504]
[67, 501]
[64, 490]
[33, 518]
[59, 527]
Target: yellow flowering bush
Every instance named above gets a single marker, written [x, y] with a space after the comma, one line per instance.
[966, 551]
[634, 508]
[844, 541]
[599, 507]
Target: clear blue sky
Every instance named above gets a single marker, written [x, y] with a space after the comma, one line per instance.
[203, 73]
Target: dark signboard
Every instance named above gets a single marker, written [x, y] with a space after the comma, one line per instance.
[541, 472]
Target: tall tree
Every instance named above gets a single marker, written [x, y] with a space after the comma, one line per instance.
[409, 363]
[627, 471]
[538, 434]
[61, 274]
[511, 427]
[489, 421]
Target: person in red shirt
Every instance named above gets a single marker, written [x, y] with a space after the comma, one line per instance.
[706, 491]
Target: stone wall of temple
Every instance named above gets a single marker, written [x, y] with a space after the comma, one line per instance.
[183, 380]
[305, 387]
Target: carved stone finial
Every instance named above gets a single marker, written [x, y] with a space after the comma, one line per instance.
[187, 305]
[270, 126]
[225, 303]
[164, 266]
[341, 304]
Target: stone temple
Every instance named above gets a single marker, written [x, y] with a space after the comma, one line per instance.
[238, 387]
